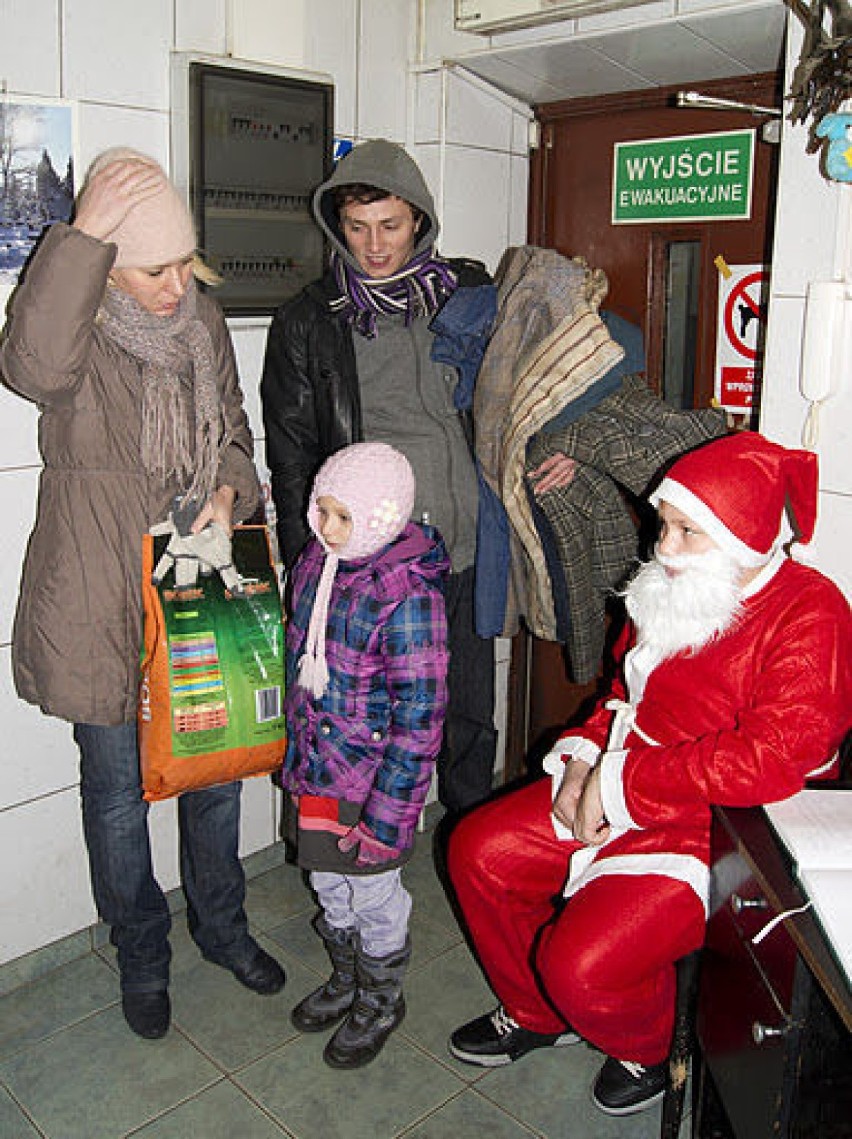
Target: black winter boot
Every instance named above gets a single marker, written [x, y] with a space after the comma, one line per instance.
[378, 1009]
[329, 1003]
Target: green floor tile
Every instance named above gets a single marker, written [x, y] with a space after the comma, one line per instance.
[273, 897]
[54, 1001]
[469, 1115]
[96, 1080]
[13, 1122]
[401, 1087]
[230, 1024]
[445, 993]
[221, 1112]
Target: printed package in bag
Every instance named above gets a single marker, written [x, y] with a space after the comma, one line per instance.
[212, 686]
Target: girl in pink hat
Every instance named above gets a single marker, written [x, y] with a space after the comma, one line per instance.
[366, 681]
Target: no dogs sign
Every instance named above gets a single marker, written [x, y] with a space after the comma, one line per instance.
[740, 334]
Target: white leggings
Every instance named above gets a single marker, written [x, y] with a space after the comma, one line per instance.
[376, 905]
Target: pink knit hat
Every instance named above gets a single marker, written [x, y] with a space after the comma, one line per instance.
[376, 484]
[737, 490]
[159, 230]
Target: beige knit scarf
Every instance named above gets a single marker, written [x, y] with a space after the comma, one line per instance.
[181, 418]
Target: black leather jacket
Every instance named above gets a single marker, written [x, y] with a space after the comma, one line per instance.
[311, 398]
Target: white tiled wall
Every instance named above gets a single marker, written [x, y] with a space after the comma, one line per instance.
[81, 50]
[92, 68]
[38, 756]
[812, 228]
[469, 140]
[44, 887]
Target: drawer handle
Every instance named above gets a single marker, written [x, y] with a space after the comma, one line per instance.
[739, 903]
[763, 1032]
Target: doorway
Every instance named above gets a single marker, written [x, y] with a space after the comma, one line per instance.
[663, 277]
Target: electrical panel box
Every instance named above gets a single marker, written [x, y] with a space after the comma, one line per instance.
[488, 16]
[249, 146]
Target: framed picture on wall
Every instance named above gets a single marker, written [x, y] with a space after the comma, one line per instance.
[259, 144]
[37, 140]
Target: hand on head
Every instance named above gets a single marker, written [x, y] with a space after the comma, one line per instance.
[112, 192]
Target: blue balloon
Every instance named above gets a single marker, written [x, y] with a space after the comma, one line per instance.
[838, 159]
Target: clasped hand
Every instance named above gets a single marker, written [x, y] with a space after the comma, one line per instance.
[579, 805]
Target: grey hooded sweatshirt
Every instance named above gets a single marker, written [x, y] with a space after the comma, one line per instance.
[406, 397]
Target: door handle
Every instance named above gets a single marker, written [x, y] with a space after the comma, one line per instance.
[739, 903]
[762, 1032]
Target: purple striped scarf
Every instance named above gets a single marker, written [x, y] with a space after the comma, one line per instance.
[418, 289]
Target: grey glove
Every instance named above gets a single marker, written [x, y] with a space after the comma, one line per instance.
[207, 551]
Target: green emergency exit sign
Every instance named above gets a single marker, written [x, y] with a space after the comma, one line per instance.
[698, 177]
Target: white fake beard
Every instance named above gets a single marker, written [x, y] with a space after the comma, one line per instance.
[686, 610]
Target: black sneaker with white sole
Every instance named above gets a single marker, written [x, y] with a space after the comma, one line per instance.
[496, 1039]
[623, 1087]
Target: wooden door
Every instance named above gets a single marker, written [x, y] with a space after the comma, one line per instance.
[570, 210]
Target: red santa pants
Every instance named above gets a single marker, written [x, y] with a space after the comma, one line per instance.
[602, 962]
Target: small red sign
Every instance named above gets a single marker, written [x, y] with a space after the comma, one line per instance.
[737, 388]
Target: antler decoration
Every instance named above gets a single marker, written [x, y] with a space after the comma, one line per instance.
[823, 76]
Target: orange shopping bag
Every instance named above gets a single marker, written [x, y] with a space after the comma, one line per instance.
[212, 686]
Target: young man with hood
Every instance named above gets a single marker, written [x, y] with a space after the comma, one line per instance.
[356, 357]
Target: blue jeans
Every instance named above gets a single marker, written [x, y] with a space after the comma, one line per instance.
[115, 824]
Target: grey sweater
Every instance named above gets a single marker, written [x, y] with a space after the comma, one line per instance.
[407, 401]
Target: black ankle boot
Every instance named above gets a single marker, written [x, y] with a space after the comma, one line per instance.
[148, 1014]
[378, 1009]
[329, 1003]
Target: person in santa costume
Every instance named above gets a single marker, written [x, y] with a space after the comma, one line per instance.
[734, 686]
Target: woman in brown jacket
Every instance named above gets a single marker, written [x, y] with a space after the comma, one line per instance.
[134, 374]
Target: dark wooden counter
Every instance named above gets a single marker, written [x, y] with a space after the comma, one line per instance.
[774, 1019]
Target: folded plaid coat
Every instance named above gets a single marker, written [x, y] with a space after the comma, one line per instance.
[551, 357]
[625, 441]
[547, 347]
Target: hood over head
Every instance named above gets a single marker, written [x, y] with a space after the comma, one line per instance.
[387, 166]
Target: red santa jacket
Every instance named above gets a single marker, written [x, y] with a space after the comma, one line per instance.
[744, 721]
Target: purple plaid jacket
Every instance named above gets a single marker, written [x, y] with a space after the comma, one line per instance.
[374, 736]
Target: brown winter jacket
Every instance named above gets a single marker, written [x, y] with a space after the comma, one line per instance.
[78, 626]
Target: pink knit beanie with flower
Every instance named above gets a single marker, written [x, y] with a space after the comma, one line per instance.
[376, 484]
[158, 231]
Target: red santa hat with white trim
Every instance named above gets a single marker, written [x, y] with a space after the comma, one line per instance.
[737, 490]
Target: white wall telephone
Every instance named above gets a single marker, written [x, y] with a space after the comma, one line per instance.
[822, 349]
